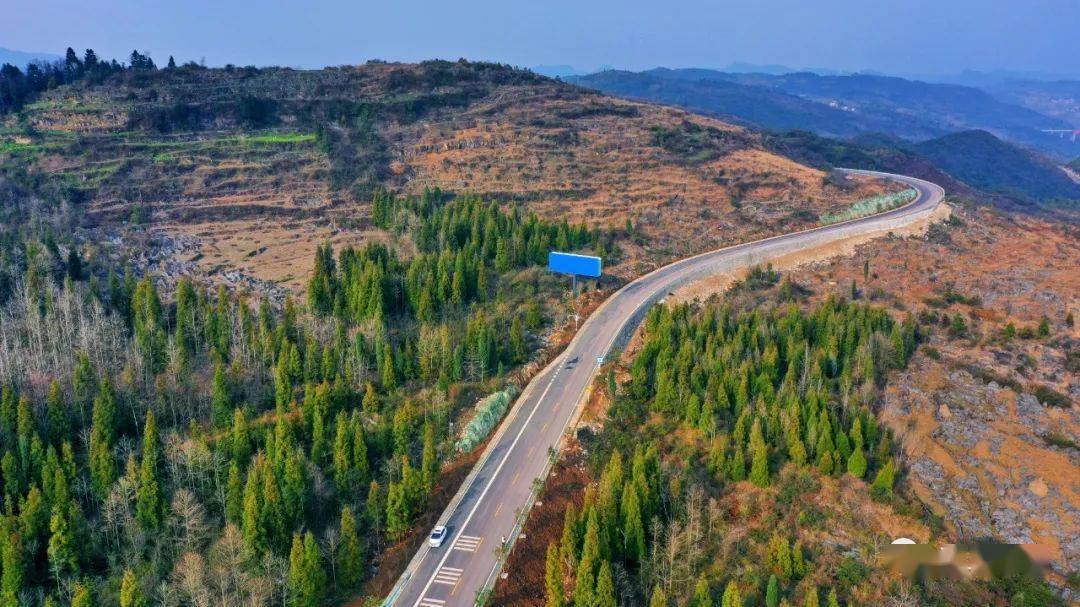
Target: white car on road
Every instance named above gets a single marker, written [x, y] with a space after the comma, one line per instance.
[437, 537]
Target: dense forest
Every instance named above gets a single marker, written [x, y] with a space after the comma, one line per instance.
[730, 467]
[196, 447]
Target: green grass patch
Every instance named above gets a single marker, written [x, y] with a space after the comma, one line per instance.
[280, 138]
[21, 149]
[165, 151]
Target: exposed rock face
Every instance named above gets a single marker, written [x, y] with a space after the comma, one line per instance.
[168, 257]
[984, 458]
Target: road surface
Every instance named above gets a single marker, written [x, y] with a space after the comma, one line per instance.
[484, 512]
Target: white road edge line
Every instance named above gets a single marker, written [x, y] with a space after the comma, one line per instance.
[494, 475]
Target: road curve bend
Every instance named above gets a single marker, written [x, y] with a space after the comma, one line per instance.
[484, 512]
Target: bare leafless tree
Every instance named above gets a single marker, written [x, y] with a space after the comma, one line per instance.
[188, 521]
[38, 342]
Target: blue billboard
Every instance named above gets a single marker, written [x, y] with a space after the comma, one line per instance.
[578, 265]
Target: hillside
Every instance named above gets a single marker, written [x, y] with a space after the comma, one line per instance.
[842, 105]
[976, 165]
[973, 442]
[1012, 282]
[986, 162]
[166, 439]
[747, 104]
[1060, 98]
[384, 229]
[238, 174]
[872, 151]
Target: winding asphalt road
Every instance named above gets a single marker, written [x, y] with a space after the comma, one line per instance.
[501, 484]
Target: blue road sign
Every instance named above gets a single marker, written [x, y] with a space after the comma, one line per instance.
[578, 265]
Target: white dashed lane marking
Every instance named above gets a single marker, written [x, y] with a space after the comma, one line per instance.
[426, 602]
[448, 576]
[467, 543]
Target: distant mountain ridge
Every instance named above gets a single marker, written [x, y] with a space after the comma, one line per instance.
[1057, 98]
[840, 105]
[746, 104]
[971, 164]
[988, 163]
[20, 59]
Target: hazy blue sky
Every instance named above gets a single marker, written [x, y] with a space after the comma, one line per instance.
[899, 36]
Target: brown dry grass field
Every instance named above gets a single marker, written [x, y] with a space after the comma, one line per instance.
[258, 200]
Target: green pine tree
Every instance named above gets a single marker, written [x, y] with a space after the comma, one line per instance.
[102, 434]
[220, 396]
[883, 481]
[234, 494]
[570, 540]
[56, 415]
[147, 323]
[605, 588]
[131, 594]
[702, 595]
[585, 585]
[732, 598]
[185, 333]
[12, 569]
[240, 437]
[149, 501]
[759, 468]
[856, 464]
[658, 598]
[255, 537]
[772, 592]
[62, 549]
[306, 581]
[633, 548]
[429, 462]
[798, 561]
[397, 517]
[350, 551]
[82, 597]
[553, 585]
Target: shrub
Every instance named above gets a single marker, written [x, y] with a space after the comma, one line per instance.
[1026, 592]
[851, 572]
[1058, 440]
[1051, 398]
